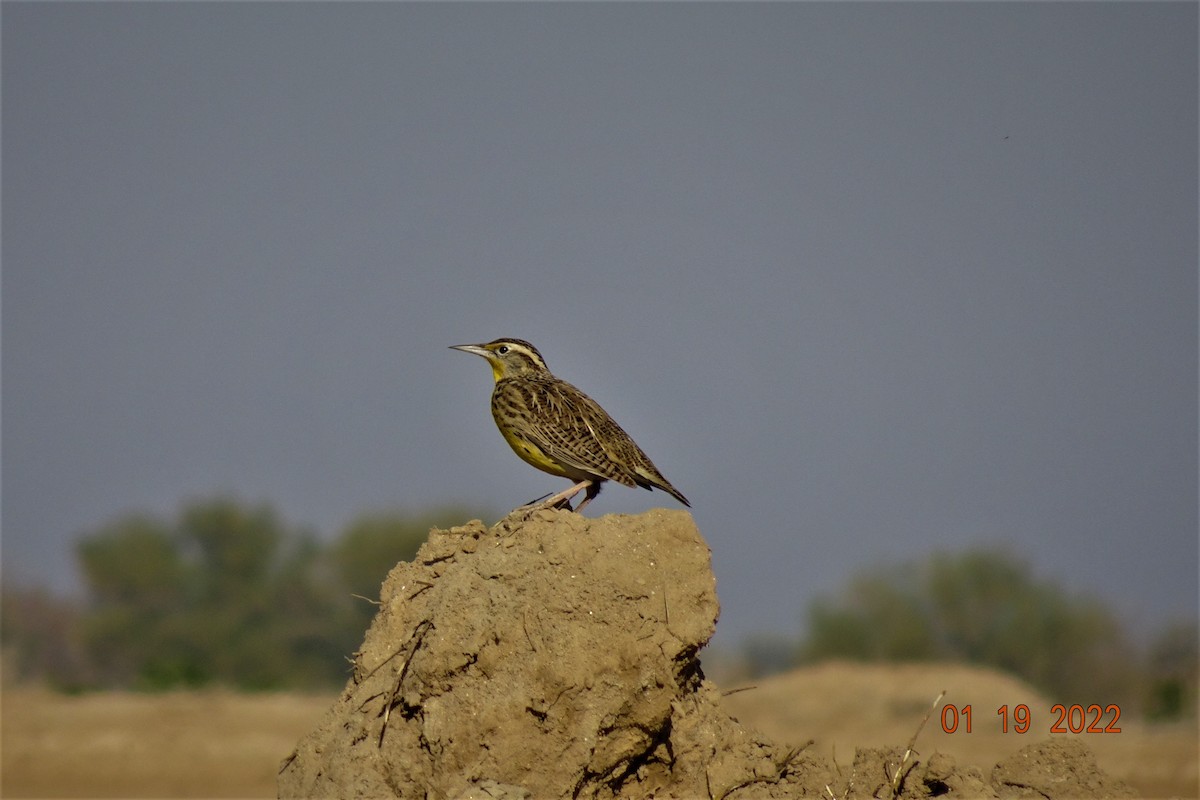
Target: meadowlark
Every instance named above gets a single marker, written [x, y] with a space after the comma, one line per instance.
[559, 429]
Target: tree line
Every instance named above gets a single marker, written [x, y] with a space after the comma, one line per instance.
[227, 593]
[988, 607]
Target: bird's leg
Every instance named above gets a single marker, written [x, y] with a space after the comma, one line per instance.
[561, 499]
[567, 494]
[592, 491]
[537, 503]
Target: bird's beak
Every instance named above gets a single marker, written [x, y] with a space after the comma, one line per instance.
[478, 350]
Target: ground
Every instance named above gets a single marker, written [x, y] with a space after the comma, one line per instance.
[220, 744]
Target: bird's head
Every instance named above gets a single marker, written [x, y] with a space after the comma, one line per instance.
[509, 357]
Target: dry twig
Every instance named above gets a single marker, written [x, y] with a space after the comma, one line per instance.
[898, 777]
[417, 635]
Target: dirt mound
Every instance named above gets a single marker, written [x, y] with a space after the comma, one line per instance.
[556, 657]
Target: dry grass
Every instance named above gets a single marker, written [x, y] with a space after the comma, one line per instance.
[187, 744]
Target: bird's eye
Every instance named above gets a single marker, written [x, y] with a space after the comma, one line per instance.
[502, 349]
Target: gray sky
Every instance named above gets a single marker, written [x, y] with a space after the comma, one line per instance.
[865, 281]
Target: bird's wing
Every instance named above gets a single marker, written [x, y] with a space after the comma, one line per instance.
[574, 430]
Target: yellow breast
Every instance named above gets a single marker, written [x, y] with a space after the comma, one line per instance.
[531, 453]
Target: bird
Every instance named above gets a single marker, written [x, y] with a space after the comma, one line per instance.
[557, 428]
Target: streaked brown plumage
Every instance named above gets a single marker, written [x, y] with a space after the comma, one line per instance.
[559, 429]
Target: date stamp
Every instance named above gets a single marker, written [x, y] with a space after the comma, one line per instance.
[1074, 718]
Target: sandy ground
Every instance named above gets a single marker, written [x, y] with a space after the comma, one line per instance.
[218, 744]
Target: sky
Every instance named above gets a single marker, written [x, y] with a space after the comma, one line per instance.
[866, 281]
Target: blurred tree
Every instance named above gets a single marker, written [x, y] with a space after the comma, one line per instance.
[228, 593]
[766, 654]
[1174, 672]
[137, 580]
[982, 607]
[875, 620]
[235, 550]
[200, 600]
[134, 561]
[40, 639]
